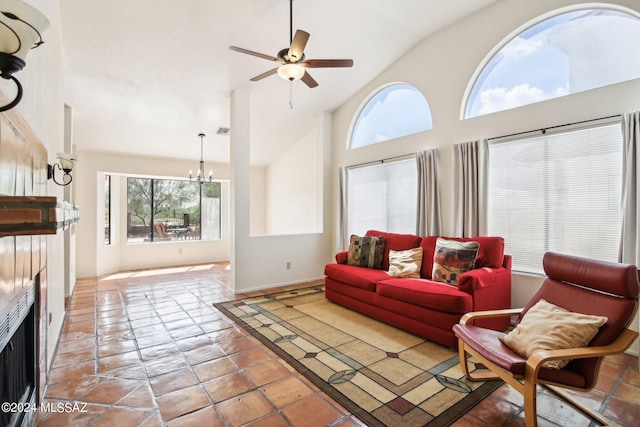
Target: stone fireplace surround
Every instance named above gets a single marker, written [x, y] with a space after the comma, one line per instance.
[23, 278]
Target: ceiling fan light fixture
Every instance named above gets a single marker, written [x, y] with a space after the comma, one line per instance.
[291, 71]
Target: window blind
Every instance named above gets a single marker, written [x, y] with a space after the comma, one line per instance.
[382, 196]
[557, 192]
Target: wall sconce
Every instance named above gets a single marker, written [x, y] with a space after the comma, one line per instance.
[20, 28]
[67, 162]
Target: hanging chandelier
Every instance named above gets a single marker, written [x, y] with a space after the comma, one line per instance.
[200, 178]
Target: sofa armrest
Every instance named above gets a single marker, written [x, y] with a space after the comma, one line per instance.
[341, 257]
[480, 278]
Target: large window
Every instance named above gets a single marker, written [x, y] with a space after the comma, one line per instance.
[394, 111]
[557, 192]
[567, 53]
[383, 196]
[164, 209]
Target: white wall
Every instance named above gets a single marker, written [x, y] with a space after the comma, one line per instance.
[258, 205]
[259, 262]
[441, 67]
[294, 189]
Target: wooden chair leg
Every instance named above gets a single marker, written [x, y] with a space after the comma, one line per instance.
[463, 359]
[530, 404]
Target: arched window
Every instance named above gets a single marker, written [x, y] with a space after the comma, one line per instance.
[394, 111]
[568, 53]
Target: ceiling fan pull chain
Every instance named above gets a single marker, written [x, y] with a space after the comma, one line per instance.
[291, 95]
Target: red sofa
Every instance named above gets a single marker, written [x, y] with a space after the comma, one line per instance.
[421, 306]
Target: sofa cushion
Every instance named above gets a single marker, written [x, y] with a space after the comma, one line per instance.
[490, 253]
[396, 242]
[426, 293]
[405, 263]
[453, 258]
[361, 277]
[366, 251]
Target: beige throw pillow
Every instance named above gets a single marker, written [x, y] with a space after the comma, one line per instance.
[549, 327]
[405, 263]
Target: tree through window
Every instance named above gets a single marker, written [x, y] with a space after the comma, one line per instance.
[165, 209]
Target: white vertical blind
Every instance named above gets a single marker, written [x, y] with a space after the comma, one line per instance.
[557, 192]
[383, 196]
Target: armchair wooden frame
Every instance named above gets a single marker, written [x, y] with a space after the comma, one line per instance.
[527, 384]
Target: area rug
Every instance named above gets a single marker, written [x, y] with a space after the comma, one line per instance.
[381, 374]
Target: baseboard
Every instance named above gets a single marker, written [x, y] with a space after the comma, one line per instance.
[278, 285]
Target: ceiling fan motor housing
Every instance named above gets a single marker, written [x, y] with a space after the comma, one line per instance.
[284, 55]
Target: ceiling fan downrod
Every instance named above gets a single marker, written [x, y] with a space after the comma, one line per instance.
[290, 22]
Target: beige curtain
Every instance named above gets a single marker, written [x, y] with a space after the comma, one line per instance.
[429, 222]
[343, 226]
[470, 187]
[630, 238]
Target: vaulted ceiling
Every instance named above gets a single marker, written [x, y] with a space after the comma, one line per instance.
[146, 76]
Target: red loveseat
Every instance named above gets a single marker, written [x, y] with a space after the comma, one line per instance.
[421, 306]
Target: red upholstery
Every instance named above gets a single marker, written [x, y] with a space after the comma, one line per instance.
[403, 315]
[421, 306]
[396, 242]
[425, 293]
[617, 279]
[578, 285]
[360, 277]
[342, 257]
[488, 344]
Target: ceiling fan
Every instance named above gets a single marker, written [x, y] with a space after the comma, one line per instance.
[292, 59]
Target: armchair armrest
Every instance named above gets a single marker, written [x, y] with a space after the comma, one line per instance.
[536, 360]
[489, 313]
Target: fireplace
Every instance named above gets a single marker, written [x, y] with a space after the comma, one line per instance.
[18, 357]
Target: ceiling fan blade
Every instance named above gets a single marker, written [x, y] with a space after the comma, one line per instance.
[265, 74]
[252, 53]
[327, 63]
[297, 45]
[308, 80]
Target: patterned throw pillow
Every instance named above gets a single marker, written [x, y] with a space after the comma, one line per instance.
[366, 251]
[405, 263]
[452, 258]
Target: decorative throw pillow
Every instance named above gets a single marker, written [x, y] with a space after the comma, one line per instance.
[405, 263]
[366, 251]
[452, 258]
[549, 327]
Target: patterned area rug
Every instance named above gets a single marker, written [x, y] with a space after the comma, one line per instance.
[383, 375]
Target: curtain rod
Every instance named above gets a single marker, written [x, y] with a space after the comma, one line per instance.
[404, 156]
[544, 130]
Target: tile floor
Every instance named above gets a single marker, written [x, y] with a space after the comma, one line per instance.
[148, 349]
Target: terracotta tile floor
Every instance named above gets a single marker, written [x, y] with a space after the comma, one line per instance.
[148, 349]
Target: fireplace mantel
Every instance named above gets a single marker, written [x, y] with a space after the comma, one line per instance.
[31, 215]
